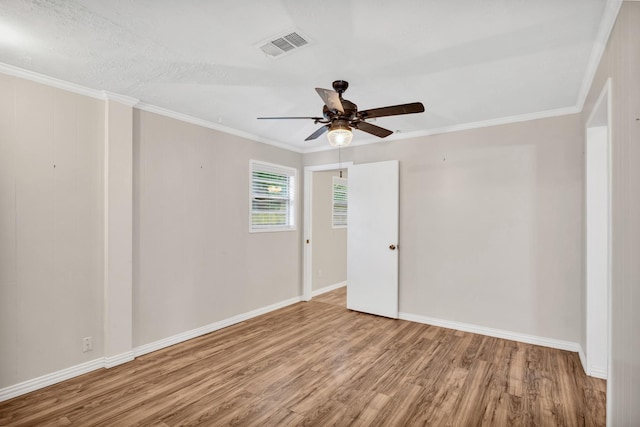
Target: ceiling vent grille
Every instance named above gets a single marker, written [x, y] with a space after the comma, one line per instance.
[282, 44]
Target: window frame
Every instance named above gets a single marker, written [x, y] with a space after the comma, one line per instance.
[292, 173]
[335, 180]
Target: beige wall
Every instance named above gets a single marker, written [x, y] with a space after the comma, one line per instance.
[621, 63]
[51, 244]
[195, 261]
[490, 225]
[329, 256]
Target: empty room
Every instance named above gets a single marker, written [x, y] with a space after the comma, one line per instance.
[339, 213]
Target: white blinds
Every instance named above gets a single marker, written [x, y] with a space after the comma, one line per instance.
[340, 203]
[272, 191]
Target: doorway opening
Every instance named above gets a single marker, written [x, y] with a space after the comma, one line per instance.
[324, 238]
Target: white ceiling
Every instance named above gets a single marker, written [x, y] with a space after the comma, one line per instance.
[468, 61]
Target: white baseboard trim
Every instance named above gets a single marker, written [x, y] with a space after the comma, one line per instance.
[592, 371]
[184, 336]
[598, 372]
[328, 289]
[118, 359]
[496, 333]
[111, 361]
[50, 379]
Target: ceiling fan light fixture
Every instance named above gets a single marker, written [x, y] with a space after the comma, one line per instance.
[340, 134]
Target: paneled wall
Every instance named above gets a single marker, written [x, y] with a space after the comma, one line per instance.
[621, 63]
[194, 260]
[51, 243]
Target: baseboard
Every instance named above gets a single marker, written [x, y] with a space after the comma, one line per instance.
[592, 371]
[118, 359]
[598, 372]
[111, 361]
[50, 379]
[328, 289]
[184, 336]
[496, 333]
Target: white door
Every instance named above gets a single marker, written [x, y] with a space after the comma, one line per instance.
[372, 238]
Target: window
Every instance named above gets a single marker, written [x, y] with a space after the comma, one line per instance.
[340, 205]
[272, 193]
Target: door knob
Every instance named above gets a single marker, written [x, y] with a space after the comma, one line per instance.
[392, 247]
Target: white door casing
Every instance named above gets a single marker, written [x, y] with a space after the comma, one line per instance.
[597, 235]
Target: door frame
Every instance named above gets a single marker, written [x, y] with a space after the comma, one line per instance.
[593, 338]
[307, 275]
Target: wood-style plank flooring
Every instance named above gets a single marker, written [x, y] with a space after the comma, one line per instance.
[319, 364]
[337, 297]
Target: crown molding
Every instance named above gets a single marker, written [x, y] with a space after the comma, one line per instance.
[463, 126]
[50, 81]
[65, 85]
[611, 12]
[133, 102]
[122, 99]
[612, 7]
[211, 125]
[494, 122]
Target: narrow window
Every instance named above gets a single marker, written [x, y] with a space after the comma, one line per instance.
[340, 205]
[272, 197]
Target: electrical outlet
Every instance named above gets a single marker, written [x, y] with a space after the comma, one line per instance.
[319, 272]
[87, 344]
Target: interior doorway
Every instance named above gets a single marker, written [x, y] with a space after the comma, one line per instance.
[598, 235]
[324, 238]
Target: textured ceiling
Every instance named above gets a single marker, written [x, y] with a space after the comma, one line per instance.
[468, 61]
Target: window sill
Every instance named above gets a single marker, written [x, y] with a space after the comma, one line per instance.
[271, 230]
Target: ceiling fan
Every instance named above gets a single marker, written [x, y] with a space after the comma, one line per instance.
[340, 115]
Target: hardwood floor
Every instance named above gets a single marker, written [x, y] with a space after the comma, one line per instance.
[319, 364]
[336, 297]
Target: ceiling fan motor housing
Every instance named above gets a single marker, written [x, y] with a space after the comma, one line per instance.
[339, 124]
[340, 86]
[350, 110]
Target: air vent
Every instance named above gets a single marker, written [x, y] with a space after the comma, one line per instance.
[282, 44]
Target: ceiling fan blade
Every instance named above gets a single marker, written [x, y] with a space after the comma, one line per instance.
[394, 110]
[317, 133]
[288, 118]
[331, 99]
[372, 129]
